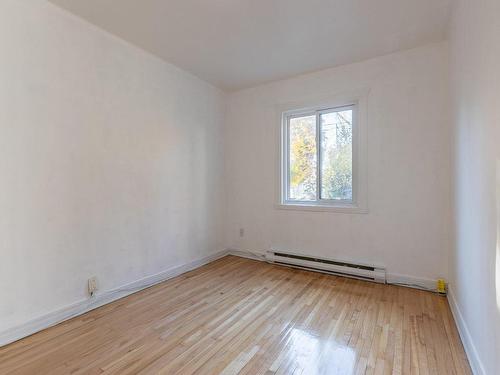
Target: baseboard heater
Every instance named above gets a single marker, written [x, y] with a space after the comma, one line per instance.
[330, 266]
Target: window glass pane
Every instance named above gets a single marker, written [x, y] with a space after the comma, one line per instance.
[302, 158]
[336, 155]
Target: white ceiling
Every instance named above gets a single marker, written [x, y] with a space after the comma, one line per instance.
[240, 43]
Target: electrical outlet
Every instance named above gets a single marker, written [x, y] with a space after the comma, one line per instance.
[92, 285]
[242, 232]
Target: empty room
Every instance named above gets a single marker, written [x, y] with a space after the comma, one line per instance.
[250, 187]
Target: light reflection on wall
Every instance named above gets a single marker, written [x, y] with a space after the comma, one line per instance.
[317, 355]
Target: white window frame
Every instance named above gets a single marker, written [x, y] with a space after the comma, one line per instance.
[358, 204]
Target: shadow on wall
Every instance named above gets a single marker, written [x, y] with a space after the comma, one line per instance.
[497, 272]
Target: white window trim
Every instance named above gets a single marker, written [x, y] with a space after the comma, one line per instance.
[315, 106]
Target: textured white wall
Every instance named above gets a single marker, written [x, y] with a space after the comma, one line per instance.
[475, 259]
[407, 227]
[110, 162]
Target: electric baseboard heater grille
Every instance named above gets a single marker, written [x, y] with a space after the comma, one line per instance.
[330, 266]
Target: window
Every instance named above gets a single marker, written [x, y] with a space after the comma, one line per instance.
[320, 157]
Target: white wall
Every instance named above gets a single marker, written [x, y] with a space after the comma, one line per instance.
[407, 227]
[110, 162]
[475, 259]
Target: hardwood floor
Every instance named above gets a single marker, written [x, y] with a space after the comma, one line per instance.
[241, 316]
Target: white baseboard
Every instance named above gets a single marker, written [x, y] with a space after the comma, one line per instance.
[247, 254]
[392, 278]
[411, 281]
[470, 349]
[55, 317]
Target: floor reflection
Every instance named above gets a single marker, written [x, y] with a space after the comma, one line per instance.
[313, 355]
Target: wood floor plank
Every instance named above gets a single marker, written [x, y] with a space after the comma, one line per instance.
[239, 316]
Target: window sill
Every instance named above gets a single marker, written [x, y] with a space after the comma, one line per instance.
[346, 209]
